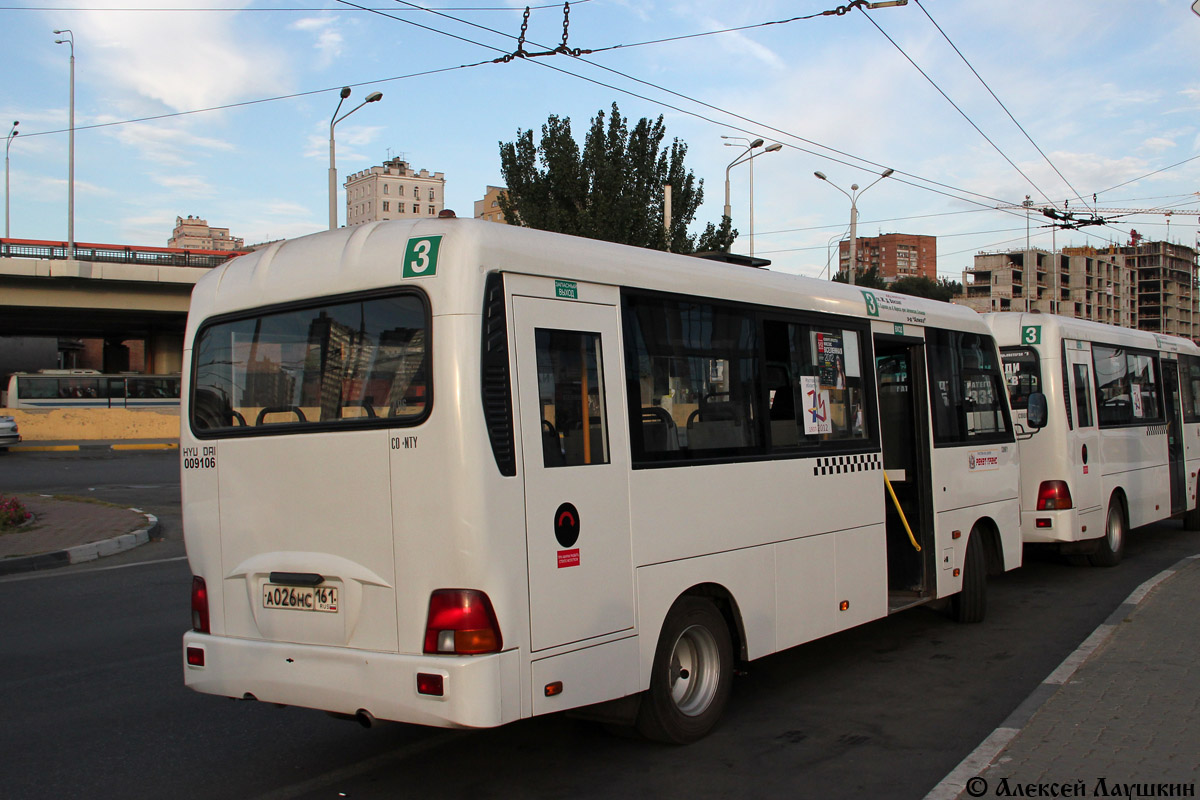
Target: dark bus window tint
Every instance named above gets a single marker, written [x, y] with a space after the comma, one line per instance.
[693, 382]
[966, 389]
[1112, 385]
[344, 364]
[1022, 374]
[571, 397]
[1189, 386]
[814, 383]
[1083, 395]
[1126, 386]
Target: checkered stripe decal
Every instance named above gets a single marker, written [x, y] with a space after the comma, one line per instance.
[1156, 430]
[840, 465]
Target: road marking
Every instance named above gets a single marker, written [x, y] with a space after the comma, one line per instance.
[57, 573]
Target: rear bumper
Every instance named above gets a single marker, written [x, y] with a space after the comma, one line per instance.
[1067, 525]
[479, 691]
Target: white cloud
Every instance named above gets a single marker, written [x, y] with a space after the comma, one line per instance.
[347, 137]
[207, 60]
[1157, 144]
[166, 145]
[328, 42]
[185, 185]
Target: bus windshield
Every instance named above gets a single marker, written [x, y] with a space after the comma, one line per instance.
[345, 363]
[1022, 373]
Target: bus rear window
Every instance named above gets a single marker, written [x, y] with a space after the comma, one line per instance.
[345, 364]
[1022, 373]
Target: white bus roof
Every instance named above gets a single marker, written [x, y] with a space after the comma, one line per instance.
[1007, 326]
[369, 256]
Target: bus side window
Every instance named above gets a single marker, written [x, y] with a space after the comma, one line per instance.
[1083, 395]
[572, 398]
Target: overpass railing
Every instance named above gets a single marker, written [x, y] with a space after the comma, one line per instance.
[116, 253]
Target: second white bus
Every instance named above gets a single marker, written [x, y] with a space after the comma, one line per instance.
[457, 473]
[1121, 447]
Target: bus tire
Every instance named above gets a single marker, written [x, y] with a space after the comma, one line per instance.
[1112, 544]
[970, 604]
[1191, 518]
[692, 674]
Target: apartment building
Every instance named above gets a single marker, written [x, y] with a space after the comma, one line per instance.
[1149, 286]
[894, 255]
[194, 233]
[489, 207]
[1166, 286]
[393, 190]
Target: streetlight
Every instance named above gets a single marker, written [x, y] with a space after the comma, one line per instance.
[854, 194]
[828, 253]
[747, 155]
[12, 134]
[71, 148]
[334, 120]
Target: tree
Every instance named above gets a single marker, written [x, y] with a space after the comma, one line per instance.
[944, 289]
[868, 279]
[612, 189]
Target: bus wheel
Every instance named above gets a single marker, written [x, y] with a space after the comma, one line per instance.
[1191, 519]
[691, 676]
[970, 605]
[1112, 546]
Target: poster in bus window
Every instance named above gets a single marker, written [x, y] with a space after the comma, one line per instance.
[816, 406]
[1139, 410]
[829, 358]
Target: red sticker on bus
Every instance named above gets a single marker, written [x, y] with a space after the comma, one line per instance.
[568, 558]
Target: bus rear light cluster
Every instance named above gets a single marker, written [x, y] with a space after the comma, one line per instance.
[200, 605]
[1053, 496]
[195, 656]
[461, 622]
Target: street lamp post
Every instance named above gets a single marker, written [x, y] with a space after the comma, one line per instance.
[747, 156]
[70, 40]
[828, 253]
[334, 120]
[12, 134]
[854, 194]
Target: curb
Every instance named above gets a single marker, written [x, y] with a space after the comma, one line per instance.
[83, 552]
[63, 448]
[991, 748]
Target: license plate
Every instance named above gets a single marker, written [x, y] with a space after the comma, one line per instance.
[301, 598]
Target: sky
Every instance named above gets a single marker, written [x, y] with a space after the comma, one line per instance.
[220, 109]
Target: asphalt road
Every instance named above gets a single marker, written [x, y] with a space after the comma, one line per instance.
[94, 705]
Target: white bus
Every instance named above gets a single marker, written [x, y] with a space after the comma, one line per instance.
[89, 388]
[457, 473]
[1121, 445]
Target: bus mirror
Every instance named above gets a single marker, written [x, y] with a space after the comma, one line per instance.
[1036, 416]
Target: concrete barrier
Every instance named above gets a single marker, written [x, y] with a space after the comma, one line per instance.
[81, 424]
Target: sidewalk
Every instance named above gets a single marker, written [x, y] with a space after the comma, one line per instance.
[67, 531]
[106, 444]
[1119, 718]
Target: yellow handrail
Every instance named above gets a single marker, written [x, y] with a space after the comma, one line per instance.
[900, 511]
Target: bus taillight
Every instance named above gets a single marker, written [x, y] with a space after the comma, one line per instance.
[199, 605]
[461, 621]
[1053, 495]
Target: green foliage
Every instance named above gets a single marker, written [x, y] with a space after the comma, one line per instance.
[944, 289]
[612, 189]
[922, 287]
[868, 279]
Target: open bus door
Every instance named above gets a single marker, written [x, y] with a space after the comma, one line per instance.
[904, 426]
[1175, 456]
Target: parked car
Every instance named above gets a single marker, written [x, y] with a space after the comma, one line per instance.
[8, 432]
